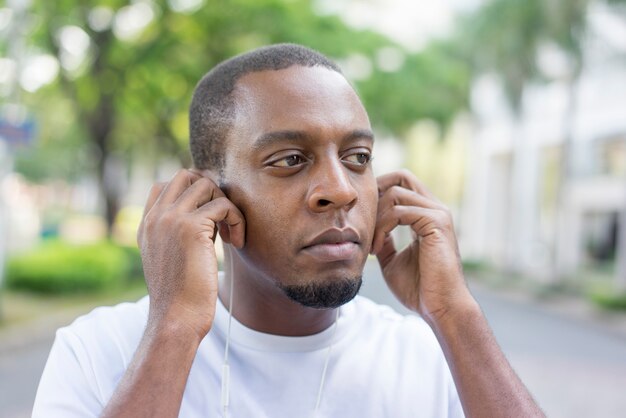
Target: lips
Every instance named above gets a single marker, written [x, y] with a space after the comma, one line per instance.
[334, 245]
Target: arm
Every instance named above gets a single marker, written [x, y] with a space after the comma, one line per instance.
[176, 240]
[487, 385]
[427, 278]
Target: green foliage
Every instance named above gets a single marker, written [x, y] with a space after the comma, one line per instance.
[433, 84]
[58, 267]
[129, 98]
[609, 300]
[134, 269]
[132, 96]
[503, 37]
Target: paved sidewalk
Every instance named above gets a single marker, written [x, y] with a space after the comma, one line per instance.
[568, 306]
[24, 334]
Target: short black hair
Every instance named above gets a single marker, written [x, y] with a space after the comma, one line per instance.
[212, 111]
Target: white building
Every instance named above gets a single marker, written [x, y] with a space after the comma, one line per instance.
[512, 221]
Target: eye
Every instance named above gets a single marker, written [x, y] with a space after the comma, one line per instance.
[289, 161]
[359, 158]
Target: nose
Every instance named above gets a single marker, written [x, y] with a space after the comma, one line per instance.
[331, 188]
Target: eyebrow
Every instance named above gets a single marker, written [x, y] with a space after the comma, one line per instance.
[301, 136]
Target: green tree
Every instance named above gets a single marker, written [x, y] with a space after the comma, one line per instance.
[129, 97]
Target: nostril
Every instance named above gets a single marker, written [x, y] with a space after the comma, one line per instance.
[323, 202]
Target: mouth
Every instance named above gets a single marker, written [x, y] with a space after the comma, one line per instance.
[334, 245]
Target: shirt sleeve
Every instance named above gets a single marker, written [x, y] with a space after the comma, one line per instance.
[68, 387]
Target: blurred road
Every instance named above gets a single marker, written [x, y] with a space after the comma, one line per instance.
[19, 375]
[573, 369]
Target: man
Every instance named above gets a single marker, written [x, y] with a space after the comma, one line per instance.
[282, 148]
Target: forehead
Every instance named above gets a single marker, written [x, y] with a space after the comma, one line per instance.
[316, 100]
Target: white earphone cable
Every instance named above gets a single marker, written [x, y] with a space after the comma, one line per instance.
[226, 366]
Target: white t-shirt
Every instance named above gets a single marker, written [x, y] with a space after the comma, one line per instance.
[382, 364]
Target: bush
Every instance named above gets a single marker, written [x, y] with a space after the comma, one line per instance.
[608, 300]
[135, 265]
[57, 267]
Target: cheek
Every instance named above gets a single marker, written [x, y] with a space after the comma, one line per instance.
[369, 203]
[266, 217]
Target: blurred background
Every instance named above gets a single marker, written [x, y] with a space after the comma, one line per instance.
[513, 112]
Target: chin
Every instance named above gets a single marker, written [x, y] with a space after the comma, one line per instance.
[326, 294]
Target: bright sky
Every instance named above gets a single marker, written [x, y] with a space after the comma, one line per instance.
[412, 23]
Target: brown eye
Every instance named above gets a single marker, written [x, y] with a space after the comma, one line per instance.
[360, 158]
[289, 161]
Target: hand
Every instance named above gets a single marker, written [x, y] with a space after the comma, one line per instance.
[176, 238]
[427, 275]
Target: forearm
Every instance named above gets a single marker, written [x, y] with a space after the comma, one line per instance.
[485, 381]
[155, 380]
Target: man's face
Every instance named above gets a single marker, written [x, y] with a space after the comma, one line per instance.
[298, 166]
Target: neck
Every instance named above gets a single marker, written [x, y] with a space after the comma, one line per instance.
[259, 304]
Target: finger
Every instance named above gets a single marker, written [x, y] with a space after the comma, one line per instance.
[155, 191]
[396, 195]
[414, 216]
[400, 196]
[176, 186]
[222, 210]
[200, 192]
[405, 179]
[153, 195]
[387, 250]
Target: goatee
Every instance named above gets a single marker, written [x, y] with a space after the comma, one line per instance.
[327, 295]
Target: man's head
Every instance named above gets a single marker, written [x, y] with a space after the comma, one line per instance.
[213, 108]
[290, 144]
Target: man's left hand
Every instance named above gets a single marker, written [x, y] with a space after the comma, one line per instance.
[426, 276]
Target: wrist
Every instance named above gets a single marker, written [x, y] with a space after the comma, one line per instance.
[455, 315]
[176, 327]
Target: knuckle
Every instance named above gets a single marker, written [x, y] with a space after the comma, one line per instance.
[149, 221]
[156, 220]
[205, 181]
[443, 218]
[158, 186]
[406, 173]
[220, 201]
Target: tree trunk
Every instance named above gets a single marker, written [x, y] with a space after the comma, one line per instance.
[101, 123]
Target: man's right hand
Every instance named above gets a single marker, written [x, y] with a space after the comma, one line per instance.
[176, 237]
